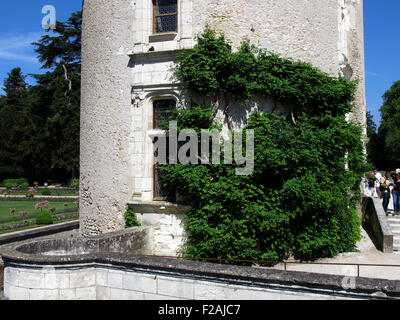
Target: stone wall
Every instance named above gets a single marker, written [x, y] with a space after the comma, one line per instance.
[100, 281]
[120, 265]
[372, 209]
[165, 222]
[125, 67]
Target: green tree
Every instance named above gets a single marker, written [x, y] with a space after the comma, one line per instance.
[15, 126]
[58, 93]
[373, 140]
[383, 148]
[15, 88]
[390, 125]
[40, 124]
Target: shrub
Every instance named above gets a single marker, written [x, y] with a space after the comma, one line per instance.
[46, 192]
[74, 183]
[297, 199]
[130, 219]
[44, 218]
[15, 183]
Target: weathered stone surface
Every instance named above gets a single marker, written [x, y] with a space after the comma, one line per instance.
[122, 275]
[373, 209]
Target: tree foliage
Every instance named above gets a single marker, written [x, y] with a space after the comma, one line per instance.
[300, 199]
[40, 123]
[383, 148]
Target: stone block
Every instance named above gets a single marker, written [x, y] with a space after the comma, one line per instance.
[11, 276]
[28, 279]
[179, 288]
[56, 281]
[212, 291]
[102, 277]
[103, 293]
[67, 294]
[140, 282]
[119, 294]
[44, 294]
[16, 293]
[115, 279]
[150, 296]
[86, 293]
[82, 278]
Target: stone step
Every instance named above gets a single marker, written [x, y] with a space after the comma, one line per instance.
[394, 220]
[396, 247]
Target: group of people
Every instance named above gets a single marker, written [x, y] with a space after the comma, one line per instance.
[384, 187]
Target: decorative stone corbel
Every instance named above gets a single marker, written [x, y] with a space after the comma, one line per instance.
[137, 99]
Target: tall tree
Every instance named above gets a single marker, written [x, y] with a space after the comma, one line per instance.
[18, 136]
[372, 143]
[59, 89]
[15, 88]
[384, 146]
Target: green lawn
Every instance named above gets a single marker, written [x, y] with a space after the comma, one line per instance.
[54, 194]
[29, 206]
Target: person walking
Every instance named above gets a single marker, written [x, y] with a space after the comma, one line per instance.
[396, 193]
[371, 184]
[385, 191]
[378, 177]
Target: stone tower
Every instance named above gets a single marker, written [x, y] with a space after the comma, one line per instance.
[127, 50]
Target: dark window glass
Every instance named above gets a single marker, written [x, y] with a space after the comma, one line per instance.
[159, 192]
[165, 16]
[162, 110]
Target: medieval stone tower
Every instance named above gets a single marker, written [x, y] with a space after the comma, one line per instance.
[128, 49]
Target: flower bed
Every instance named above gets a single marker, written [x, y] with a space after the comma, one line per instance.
[62, 217]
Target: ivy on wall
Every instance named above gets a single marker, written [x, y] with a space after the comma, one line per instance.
[300, 199]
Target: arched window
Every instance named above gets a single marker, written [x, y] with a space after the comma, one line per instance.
[165, 16]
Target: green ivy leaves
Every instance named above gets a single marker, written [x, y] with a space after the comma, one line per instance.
[297, 199]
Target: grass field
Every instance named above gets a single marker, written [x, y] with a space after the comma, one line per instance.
[58, 194]
[29, 206]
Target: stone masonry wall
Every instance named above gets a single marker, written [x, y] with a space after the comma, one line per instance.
[110, 283]
[106, 119]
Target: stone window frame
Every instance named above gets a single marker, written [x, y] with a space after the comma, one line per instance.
[145, 40]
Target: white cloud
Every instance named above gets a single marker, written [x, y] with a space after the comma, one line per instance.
[373, 74]
[19, 47]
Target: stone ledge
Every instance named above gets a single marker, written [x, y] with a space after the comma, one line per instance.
[164, 55]
[232, 275]
[372, 207]
[37, 232]
[167, 36]
[158, 207]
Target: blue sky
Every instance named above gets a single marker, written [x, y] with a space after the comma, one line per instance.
[20, 24]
